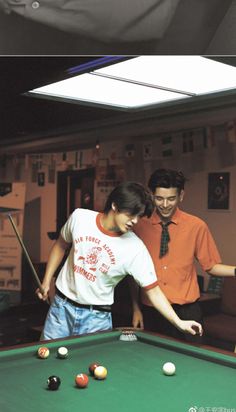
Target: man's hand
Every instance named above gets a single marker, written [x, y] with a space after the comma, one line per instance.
[137, 320]
[45, 294]
[160, 302]
[190, 326]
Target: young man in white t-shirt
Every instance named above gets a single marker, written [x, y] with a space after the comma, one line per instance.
[103, 251]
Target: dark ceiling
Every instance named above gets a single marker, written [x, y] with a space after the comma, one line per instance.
[23, 117]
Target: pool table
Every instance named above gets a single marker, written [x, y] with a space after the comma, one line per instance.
[205, 380]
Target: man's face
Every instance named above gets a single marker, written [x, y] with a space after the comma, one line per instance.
[167, 201]
[124, 221]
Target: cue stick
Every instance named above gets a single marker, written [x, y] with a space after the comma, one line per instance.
[26, 254]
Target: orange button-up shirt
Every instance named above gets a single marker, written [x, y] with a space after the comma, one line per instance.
[190, 240]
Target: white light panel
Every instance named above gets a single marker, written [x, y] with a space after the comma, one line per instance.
[186, 74]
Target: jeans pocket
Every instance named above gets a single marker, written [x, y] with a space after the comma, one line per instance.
[58, 302]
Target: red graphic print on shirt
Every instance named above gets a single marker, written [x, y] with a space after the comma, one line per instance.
[92, 258]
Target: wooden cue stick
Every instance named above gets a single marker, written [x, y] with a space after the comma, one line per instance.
[26, 254]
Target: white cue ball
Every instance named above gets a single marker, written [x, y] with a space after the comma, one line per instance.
[62, 352]
[169, 368]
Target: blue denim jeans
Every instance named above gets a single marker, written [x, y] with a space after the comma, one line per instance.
[64, 319]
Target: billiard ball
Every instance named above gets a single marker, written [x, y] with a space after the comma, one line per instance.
[169, 368]
[100, 372]
[53, 382]
[92, 367]
[62, 352]
[81, 380]
[43, 352]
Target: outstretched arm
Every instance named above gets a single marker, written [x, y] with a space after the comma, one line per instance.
[55, 257]
[137, 320]
[222, 270]
[161, 303]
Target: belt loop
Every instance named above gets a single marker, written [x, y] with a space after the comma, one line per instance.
[91, 308]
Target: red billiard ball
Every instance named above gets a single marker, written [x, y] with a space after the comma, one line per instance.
[92, 367]
[81, 380]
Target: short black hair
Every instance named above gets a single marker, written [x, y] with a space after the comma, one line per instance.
[167, 178]
[132, 198]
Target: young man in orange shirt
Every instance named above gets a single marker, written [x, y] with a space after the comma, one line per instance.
[174, 249]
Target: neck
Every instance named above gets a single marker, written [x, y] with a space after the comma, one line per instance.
[163, 219]
[107, 222]
[166, 223]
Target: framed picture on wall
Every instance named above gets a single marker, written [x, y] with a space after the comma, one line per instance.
[218, 190]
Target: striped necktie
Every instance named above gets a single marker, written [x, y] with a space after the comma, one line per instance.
[165, 238]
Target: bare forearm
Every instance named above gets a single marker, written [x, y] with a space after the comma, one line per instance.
[222, 270]
[55, 257]
[137, 320]
[134, 292]
[161, 303]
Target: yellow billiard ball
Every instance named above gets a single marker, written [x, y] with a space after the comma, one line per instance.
[43, 352]
[100, 372]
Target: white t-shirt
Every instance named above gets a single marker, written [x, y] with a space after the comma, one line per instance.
[99, 259]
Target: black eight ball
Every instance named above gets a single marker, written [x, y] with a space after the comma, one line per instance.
[53, 383]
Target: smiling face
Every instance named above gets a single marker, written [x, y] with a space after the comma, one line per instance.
[167, 201]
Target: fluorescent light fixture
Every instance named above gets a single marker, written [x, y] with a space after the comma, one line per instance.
[143, 81]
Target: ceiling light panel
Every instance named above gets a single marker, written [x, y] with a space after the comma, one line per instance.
[144, 81]
[194, 74]
[106, 91]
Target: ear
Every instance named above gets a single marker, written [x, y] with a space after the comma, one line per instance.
[181, 196]
[113, 206]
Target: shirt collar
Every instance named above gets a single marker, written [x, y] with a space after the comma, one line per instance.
[155, 219]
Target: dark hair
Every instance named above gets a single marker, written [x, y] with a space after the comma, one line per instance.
[166, 178]
[132, 198]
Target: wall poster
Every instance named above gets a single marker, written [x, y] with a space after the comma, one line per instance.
[218, 191]
[12, 201]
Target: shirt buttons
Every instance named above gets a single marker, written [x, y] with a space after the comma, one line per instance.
[35, 5]
[165, 267]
